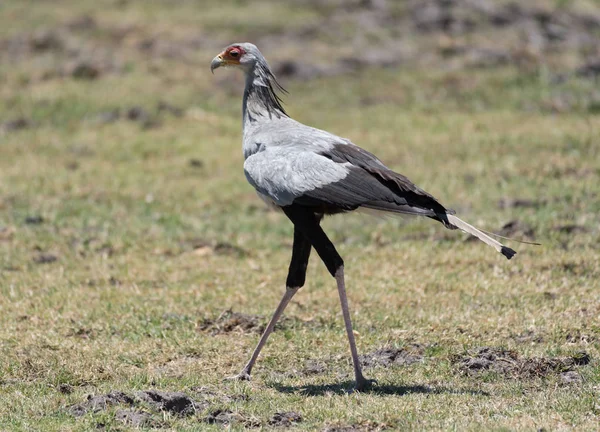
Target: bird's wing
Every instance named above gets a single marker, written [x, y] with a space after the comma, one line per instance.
[370, 184]
[403, 190]
[284, 173]
[338, 177]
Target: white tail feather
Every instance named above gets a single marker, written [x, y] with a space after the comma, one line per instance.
[470, 229]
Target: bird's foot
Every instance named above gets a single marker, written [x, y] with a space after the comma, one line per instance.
[242, 376]
[363, 384]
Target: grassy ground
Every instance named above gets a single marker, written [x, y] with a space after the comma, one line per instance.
[127, 229]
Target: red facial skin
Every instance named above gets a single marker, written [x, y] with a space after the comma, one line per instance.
[233, 54]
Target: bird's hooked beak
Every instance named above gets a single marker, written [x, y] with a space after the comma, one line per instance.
[218, 61]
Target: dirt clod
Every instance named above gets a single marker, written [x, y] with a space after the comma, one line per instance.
[34, 220]
[571, 229]
[19, 123]
[84, 70]
[387, 357]
[174, 402]
[227, 417]
[164, 107]
[135, 418]
[101, 402]
[137, 113]
[517, 228]
[45, 258]
[46, 40]
[511, 365]
[141, 116]
[296, 69]
[285, 419]
[581, 358]
[230, 321]
[65, 388]
[196, 163]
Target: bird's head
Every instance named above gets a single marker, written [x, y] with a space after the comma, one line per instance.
[241, 55]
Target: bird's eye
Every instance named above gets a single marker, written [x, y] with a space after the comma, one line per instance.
[234, 54]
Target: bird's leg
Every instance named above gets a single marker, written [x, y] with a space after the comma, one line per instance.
[295, 281]
[361, 382]
[244, 375]
[304, 219]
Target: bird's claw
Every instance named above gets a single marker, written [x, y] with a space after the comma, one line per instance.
[242, 376]
[362, 385]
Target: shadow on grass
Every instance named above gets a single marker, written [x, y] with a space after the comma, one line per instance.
[384, 389]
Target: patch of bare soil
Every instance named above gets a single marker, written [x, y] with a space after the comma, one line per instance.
[571, 229]
[228, 418]
[387, 357]
[65, 388]
[101, 403]
[17, 124]
[458, 33]
[570, 377]
[511, 365]
[285, 419]
[66, 51]
[133, 415]
[146, 118]
[516, 228]
[136, 418]
[34, 220]
[230, 322]
[314, 367]
[173, 402]
[452, 33]
[45, 258]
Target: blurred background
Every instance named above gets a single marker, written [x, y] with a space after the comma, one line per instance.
[125, 217]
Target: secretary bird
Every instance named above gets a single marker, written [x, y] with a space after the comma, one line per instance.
[309, 173]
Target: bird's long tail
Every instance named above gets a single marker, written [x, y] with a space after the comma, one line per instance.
[470, 229]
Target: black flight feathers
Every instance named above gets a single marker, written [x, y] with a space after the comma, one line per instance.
[372, 185]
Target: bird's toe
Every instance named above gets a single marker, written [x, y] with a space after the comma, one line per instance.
[363, 384]
[242, 376]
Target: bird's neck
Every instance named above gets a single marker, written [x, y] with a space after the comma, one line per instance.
[260, 99]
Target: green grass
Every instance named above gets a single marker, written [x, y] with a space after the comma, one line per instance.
[122, 207]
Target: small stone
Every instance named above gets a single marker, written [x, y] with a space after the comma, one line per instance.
[285, 419]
